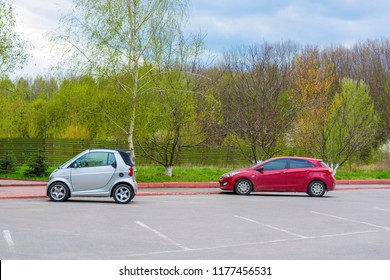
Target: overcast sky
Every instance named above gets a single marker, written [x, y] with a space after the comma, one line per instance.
[231, 23]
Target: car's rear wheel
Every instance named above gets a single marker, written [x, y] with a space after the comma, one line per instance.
[123, 193]
[316, 189]
[58, 191]
[243, 187]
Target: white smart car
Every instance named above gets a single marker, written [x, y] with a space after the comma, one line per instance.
[97, 172]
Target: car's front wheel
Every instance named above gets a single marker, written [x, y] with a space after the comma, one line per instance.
[123, 193]
[58, 191]
[243, 187]
[316, 189]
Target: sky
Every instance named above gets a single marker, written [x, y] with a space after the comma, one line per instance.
[230, 23]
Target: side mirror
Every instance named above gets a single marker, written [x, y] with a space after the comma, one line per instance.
[260, 168]
[73, 165]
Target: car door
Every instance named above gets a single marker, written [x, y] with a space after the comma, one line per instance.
[272, 176]
[93, 171]
[297, 174]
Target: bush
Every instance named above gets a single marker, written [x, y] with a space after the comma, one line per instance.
[8, 165]
[38, 166]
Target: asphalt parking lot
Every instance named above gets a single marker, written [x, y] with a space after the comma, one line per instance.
[343, 225]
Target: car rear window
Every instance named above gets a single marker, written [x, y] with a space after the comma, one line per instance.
[126, 158]
[300, 163]
[324, 164]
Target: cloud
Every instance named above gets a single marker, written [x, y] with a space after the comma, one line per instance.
[326, 22]
[35, 20]
[231, 23]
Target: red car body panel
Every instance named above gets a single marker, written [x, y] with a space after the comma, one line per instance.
[290, 178]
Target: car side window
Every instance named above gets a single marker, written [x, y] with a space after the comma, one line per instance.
[111, 159]
[94, 159]
[275, 165]
[300, 163]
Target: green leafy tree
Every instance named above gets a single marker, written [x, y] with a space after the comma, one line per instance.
[73, 109]
[352, 125]
[172, 119]
[177, 105]
[12, 47]
[13, 111]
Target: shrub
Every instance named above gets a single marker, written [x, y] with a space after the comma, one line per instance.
[38, 166]
[8, 164]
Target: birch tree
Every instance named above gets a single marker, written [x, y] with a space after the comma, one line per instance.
[119, 38]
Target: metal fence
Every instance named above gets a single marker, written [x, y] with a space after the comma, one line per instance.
[60, 150]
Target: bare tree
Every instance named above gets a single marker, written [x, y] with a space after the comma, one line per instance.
[255, 106]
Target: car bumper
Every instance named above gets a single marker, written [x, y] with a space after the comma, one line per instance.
[226, 184]
[331, 185]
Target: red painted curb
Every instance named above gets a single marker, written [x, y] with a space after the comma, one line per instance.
[25, 185]
[361, 188]
[175, 193]
[22, 196]
[364, 182]
[179, 185]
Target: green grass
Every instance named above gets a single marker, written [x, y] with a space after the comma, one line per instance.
[362, 174]
[204, 174]
[180, 174]
[19, 174]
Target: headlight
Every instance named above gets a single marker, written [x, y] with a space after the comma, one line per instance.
[231, 174]
[52, 174]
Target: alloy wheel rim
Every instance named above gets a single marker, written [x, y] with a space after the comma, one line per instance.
[243, 187]
[317, 188]
[58, 192]
[122, 194]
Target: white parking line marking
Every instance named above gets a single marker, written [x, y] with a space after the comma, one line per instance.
[163, 236]
[351, 220]
[8, 238]
[272, 227]
[275, 241]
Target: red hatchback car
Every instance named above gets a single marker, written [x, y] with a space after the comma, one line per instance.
[282, 174]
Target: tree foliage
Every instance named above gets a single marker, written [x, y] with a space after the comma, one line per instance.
[267, 100]
[352, 123]
[12, 46]
[117, 38]
[313, 80]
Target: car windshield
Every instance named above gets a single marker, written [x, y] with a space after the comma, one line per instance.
[65, 164]
[260, 163]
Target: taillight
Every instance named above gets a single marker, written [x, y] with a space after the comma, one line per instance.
[131, 171]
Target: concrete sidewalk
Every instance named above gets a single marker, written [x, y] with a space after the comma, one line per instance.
[14, 188]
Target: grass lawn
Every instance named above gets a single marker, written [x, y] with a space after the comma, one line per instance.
[204, 174]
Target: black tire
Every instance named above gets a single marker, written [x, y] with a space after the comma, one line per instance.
[58, 192]
[316, 189]
[123, 193]
[243, 187]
